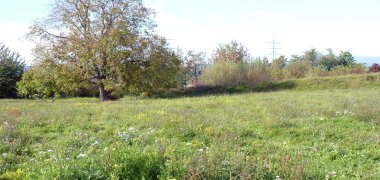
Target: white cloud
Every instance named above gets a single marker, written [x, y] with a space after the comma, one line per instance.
[13, 36]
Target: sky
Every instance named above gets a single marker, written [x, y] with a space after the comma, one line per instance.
[297, 25]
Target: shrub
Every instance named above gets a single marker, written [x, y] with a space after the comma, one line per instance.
[346, 70]
[336, 71]
[318, 71]
[298, 69]
[374, 68]
[236, 74]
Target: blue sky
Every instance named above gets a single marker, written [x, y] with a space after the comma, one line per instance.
[203, 24]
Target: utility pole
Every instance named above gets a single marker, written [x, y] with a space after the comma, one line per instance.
[274, 48]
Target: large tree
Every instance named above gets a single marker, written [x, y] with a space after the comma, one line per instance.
[94, 39]
[11, 69]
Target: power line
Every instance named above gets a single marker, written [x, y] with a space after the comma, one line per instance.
[274, 48]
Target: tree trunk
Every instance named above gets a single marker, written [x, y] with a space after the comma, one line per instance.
[103, 95]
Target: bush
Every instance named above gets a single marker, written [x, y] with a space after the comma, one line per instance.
[318, 71]
[346, 70]
[336, 71]
[298, 69]
[374, 68]
[48, 79]
[236, 74]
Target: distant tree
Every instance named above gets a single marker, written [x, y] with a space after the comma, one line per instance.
[294, 58]
[329, 60]
[265, 60]
[233, 52]
[374, 68]
[11, 70]
[279, 63]
[195, 62]
[345, 58]
[277, 67]
[311, 56]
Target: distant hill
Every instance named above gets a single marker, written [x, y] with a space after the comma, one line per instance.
[367, 60]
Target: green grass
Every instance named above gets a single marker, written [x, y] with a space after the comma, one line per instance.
[329, 133]
[363, 81]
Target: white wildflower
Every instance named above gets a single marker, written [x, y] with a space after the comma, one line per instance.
[81, 155]
[95, 143]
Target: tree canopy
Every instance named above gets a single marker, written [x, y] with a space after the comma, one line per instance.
[101, 43]
[233, 51]
[11, 69]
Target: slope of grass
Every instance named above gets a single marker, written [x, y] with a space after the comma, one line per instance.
[306, 84]
[315, 134]
[340, 82]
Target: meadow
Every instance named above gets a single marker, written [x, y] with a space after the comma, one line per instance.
[321, 128]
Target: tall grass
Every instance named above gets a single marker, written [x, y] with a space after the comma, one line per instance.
[236, 74]
[321, 134]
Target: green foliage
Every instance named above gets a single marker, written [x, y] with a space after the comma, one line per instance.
[11, 69]
[277, 67]
[194, 63]
[156, 74]
[96, 40]
[348, 69]
[48, 79]
[330, 60]
[345, 58]
[234, 52]
[298, 69]
[229, 73]
[337, 71]
[335, 82]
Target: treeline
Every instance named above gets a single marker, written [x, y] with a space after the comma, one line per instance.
[109, 49]
[232, 65]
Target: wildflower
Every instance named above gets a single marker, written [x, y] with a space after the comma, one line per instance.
[266, 165]
[330, 174]
[313, 148]
[95, 143]
[81, 155]
[278, 178]
[54, 158]
[42, 152]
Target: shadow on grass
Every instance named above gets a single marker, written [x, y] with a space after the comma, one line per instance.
[198, 91]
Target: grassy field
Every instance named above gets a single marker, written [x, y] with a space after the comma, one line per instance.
[309, 131]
